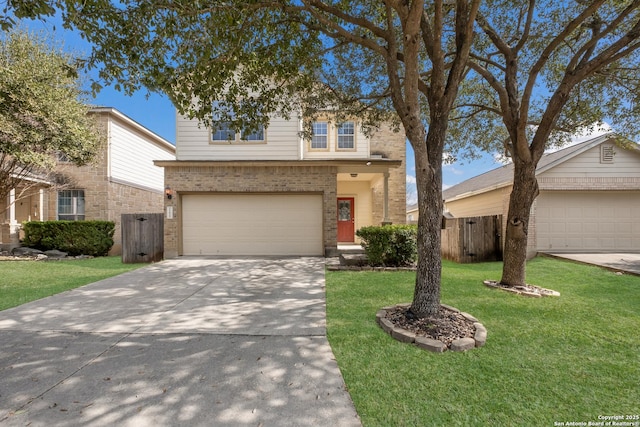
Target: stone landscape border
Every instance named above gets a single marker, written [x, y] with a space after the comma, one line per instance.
[527, 291]
[462, 344]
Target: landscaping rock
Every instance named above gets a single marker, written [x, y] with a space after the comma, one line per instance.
[55, 254]
[463, 344]
[386, 325]
[403, 335]
[481, 334]
[430, 344]
[468, 317]
[353, 259]
[448, 307]
[25, 251]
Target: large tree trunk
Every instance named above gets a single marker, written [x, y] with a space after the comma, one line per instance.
[426, 298]
[525, 191]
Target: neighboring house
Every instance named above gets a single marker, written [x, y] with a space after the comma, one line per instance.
[412, 214]
[275, 193]
[122, 179]
[589, 198]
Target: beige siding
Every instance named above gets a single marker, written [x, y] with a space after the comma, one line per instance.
[489, 203]
[361, 150]
[588, 164]
[194, 143]
[132, 156]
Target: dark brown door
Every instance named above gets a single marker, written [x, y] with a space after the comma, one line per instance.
[346, 219]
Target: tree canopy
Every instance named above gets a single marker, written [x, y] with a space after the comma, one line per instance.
[515, 75]
[41, 112]
[539, 75]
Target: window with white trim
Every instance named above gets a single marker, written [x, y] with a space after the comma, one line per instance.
[223, 132]
[346, 136]
[256, 135]
[71, 205]
[319, 139]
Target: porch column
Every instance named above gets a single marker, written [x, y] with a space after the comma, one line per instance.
[12, 207]
[385, 206]
[41, 205]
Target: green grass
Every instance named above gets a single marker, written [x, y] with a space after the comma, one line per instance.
[24, 281]
[548, 360]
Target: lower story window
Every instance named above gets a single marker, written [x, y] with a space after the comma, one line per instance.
[71, 205]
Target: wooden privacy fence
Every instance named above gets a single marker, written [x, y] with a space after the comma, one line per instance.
[473, 239]
[142, 237]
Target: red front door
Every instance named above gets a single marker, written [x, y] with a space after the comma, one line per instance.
[345, 219]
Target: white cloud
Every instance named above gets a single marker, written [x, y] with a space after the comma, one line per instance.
[411, 179]
[583, 136]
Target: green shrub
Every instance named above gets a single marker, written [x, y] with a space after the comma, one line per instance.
[74, 237]
[389, 245]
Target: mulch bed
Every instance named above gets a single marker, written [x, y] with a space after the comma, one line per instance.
[447, 326]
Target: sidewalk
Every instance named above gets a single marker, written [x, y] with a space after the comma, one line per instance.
[187, 342]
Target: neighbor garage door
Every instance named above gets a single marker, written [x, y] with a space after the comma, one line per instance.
[588, 220]
[254, 224]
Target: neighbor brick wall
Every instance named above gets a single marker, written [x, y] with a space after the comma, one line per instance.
[104, 199]
[215, 178]
[391, 145]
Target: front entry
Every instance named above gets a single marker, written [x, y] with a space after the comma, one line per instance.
[346, 219]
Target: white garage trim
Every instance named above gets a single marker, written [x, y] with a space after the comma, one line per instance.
[588, 221]
[252, 224]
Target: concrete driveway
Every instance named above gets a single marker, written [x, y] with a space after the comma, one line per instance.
[628, 262]
[185, 342]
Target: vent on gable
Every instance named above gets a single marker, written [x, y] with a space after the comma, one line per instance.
[606, 154]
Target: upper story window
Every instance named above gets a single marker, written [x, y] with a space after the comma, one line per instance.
[257, 135]
[71, 205]
[346, 136]
[319, 140]
[223, 132]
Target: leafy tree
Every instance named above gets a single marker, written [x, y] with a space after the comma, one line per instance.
[542, 72]
[399, 60]
[41, 115]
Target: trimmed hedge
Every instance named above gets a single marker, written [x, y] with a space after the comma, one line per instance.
[390, 245]
[74, 237]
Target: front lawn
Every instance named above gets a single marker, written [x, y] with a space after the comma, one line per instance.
[547, 361]
[24, 281]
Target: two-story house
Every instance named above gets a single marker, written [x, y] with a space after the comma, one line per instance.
[121, 179]
[273, 192]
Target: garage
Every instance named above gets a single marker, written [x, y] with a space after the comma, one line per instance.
[252, 224]
[588, 221]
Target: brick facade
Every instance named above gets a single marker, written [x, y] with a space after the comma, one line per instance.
[105, 199]
[391, 145]
[212, 177]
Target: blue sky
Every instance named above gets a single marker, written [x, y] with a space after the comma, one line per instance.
[156, 112]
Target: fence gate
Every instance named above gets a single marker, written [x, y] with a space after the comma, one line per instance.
[142, 237]
[473, 239]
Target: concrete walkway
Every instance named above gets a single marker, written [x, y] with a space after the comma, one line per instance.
[624, 262]
[186, 342]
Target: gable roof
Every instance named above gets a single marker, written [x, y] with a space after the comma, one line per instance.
[503, 176]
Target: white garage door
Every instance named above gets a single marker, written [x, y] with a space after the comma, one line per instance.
[254, 224]
[588, 221]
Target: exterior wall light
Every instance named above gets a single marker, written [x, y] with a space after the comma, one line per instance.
[168, 192]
